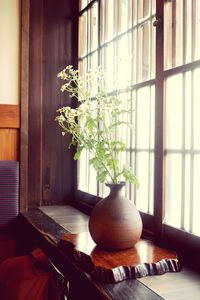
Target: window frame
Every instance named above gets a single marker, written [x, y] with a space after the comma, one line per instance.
[186, 244]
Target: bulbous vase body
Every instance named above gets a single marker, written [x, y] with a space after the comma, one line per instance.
[115, 222]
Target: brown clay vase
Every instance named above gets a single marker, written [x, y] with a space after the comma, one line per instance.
[115, 222]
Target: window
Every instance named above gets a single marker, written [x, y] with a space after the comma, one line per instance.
[112, 36]
[182, 109]
[152, 49]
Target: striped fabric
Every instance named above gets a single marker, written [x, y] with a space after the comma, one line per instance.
[9, 191]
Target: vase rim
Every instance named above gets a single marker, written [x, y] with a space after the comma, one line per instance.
[111, 184]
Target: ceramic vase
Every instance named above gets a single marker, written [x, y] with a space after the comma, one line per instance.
[115, 222]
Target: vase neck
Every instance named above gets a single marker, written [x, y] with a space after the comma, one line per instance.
[115, 187]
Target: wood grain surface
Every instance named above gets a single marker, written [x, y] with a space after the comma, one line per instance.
[9, 116]
[142, 260]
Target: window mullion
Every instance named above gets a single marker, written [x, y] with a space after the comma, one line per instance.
[158, 174]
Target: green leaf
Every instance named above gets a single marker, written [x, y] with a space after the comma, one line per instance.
[130, 176]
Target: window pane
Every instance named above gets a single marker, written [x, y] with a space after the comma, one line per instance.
[183, 151]
[143, 51]
[143, 8]
[123, 16]
[174, 111]
[82, 66]
[127, 54]
[82, 35]
[107, 19]
[173, 190]
[82, 4]
[86, 175]
[196, 109]
[109, 66]
[173, 33]
[143, 44]
[181, 32]
[94, 27]
[145, 118]
[196, 195]
[123, 62]
[144, 192]
[144, 144]
[196, 30]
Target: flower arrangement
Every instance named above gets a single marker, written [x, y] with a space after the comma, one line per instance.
[93, 123]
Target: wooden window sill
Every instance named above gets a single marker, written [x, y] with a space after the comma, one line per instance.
[183, 285]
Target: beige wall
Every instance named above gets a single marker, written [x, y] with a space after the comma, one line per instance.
[9, 51]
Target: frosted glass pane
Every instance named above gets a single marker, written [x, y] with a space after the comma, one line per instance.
[196, 118]
[196, 45]
[144, 6]
[142, 171]
[123, 62]
[110, 67]
[83, 171]
[173, 190]
[92, 182]
[109, 19]
[94, 27]
[152, 118]
[93, 64]
[151, 184]
[123, 16]
[173, 92]
[143, 52]
[188, 37]
[196, 196]
[82, 4]
[123, 131]
[187, 192]
[82, 43]
[143, 118]
[188, 110]
[173, 33]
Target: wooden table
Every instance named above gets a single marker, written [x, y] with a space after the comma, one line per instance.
[93, 272]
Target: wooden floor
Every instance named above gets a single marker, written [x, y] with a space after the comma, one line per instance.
[171, 286]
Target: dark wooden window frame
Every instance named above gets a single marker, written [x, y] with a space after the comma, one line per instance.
[187, 245]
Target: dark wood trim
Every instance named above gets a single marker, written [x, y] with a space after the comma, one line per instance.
[75, 20]
[9, 116]
[35, 103]
[186, 244]
[158, 174]
[47, 47]
[25, 9]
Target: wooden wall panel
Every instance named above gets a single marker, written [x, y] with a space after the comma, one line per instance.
[46, 172]
[57, 46]
[9, 116]
[9, 144]
[9, 132]
[50, 178]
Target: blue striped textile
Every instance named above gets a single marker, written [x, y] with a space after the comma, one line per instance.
[9, 191]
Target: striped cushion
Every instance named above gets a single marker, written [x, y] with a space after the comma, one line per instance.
[9, 191]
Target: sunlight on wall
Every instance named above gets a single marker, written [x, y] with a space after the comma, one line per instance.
[9, 51]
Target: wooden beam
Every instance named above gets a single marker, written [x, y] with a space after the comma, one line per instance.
[9, 116]
[25, 6]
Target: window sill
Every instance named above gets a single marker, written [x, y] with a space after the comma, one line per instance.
[172, 286]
